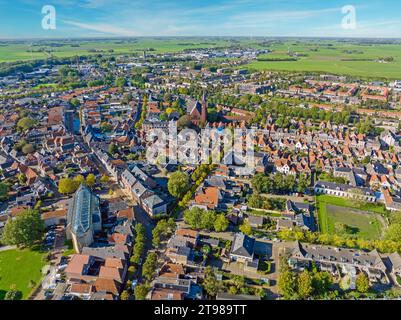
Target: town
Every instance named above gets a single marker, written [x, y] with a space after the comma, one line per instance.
[88, 217]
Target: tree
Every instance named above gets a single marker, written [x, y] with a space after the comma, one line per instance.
[25, 124]
[125, 295]
[3, 191]
[121, 82]
[13, 295]
[221, 223]
[362, 283]
[25, 230]
[28, 148]
[211, 285]
[208, 219]
[112, 149]
[67, 186]
[246, 228]
[22, 179]
[305, 288]
[287, 285]
[91, 180]
[104, 179]
[149, 267]
[393, 233]
[193, 217]
[141, 291]
[178, 184]
[322, 282]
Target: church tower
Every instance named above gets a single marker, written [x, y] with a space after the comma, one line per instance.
[203, 119]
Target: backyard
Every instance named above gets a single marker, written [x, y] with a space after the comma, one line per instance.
[20, 270]
[341, 216]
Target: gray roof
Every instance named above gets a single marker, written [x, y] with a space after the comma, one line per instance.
[105, 252]
[342, 187]
[330, 254]
[243, 245]
[81, 211]
[395, 260]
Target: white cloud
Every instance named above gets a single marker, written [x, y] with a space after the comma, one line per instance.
[103, 28]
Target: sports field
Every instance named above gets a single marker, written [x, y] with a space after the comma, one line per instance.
[20, 269]
[363, 222]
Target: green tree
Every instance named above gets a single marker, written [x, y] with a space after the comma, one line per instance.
[104, 179]
[393, 233]
[67, 186]
[221, 223]
[91, 180]
[28, 148]
[287, 285]
[22, 179]
[25, 230]
[305, 287]
[112, 149]
[210, 284]
[246, 228]
[3, 191]
[193, 217]
[141, 291]
[322, 282]
[149, 267]
[121, 82]
[25, 124]
[13, 295]
[125, 295]
[178, 184]
[362, 283]
[208, 219]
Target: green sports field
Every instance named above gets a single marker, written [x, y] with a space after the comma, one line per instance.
[364, 221]
[18, 268]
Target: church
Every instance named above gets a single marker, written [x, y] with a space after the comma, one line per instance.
[198, 112]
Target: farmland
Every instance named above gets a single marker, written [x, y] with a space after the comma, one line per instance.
[10, 51]
[333, 57]
[359, 59]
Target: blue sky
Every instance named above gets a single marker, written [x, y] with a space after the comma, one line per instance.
[106, 18]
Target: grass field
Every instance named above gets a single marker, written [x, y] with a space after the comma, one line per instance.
[365, 220]
[18, 268]
[29, 51]
[334, 57]
[315, 56]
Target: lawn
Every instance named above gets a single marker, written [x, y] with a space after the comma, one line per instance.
[18, 268]
[364, 221]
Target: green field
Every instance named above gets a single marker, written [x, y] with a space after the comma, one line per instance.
[330, 57]
[322, 56]
[20, 51]
[364, 221]
[17, 268]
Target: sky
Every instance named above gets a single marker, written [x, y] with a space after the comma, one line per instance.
[251, 18]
